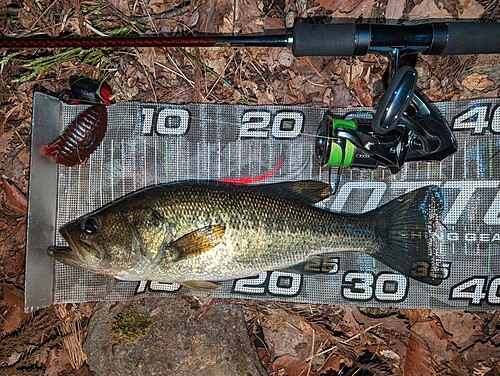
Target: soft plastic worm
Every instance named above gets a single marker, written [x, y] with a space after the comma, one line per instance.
[81, 138]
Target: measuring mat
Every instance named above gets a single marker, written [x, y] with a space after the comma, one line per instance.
[152, 143]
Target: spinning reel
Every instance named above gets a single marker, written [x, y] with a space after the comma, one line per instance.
[405, 128]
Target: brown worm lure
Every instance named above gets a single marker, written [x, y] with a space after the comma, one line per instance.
[81, 138]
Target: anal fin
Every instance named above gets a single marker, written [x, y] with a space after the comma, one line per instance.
[199, 285]
[315, 265]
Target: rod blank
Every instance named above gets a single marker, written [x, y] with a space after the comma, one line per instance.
[347, 39]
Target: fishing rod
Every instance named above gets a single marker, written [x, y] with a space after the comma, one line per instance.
[346, 39]
[405, 127]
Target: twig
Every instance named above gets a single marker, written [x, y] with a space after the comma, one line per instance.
[89, 26]
[344, 342]
[43, 14]
[173, 12]
[180, 75]
[72, 333]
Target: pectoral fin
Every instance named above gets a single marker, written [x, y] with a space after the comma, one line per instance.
[199, 285]
[196, 242]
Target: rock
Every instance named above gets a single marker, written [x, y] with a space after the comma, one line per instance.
[176, 342]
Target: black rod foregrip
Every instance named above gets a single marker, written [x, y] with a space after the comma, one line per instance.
[429, 38]
[472, 38]
[324, 39]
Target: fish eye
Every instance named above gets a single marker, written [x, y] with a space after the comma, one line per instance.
[90, 225]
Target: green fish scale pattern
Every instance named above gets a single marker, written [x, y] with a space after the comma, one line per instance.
[262, 231]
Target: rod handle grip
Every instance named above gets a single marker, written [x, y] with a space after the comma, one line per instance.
[350, 39]
[324, 39]
[472, 38]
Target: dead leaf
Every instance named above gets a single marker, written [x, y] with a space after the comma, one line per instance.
[14, 167]
[248, 17]
[439, 330]
[349, 5]
[15, 199]
[418, 358]
[417, 315]
[395, 9]
[285, 58]
[347, 71]
[293, 366]
[472, 10]
[73, 336]
[340, 96]
[482, 352]
[86, 309]
[470, 327]
[160, 6]
[24, 157]
[5, 141]
[263, 356]
[477, 81]
[435, 339]
[194, 18]
[122, 6]
[351, 326]
[147, 58]
[389, 354]
[332, 363]
[56, 362]
[271, 23]
[84, 371]
[212, 14]
[362, 91]
[12, 308]
[435, 89]
[429, 10]
[283, 334]
[339, 5]
[12, 250]
[363, 9]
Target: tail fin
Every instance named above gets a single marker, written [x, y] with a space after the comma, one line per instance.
[408, 226]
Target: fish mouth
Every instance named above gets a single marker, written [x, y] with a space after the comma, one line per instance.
[57, 251]
[79, 252]
[65, 255]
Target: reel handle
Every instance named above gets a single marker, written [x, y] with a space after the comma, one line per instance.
[396, 100]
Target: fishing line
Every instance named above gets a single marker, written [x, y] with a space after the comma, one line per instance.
[212, 121]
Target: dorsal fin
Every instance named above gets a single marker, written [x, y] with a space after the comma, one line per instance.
[307, 191]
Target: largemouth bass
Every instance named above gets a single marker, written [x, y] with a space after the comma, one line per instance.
[194, 233]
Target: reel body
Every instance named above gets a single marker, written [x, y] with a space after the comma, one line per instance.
[405, 128]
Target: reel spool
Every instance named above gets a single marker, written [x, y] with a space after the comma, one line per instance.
[405, 127]
[334, 151]
[336, 146]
